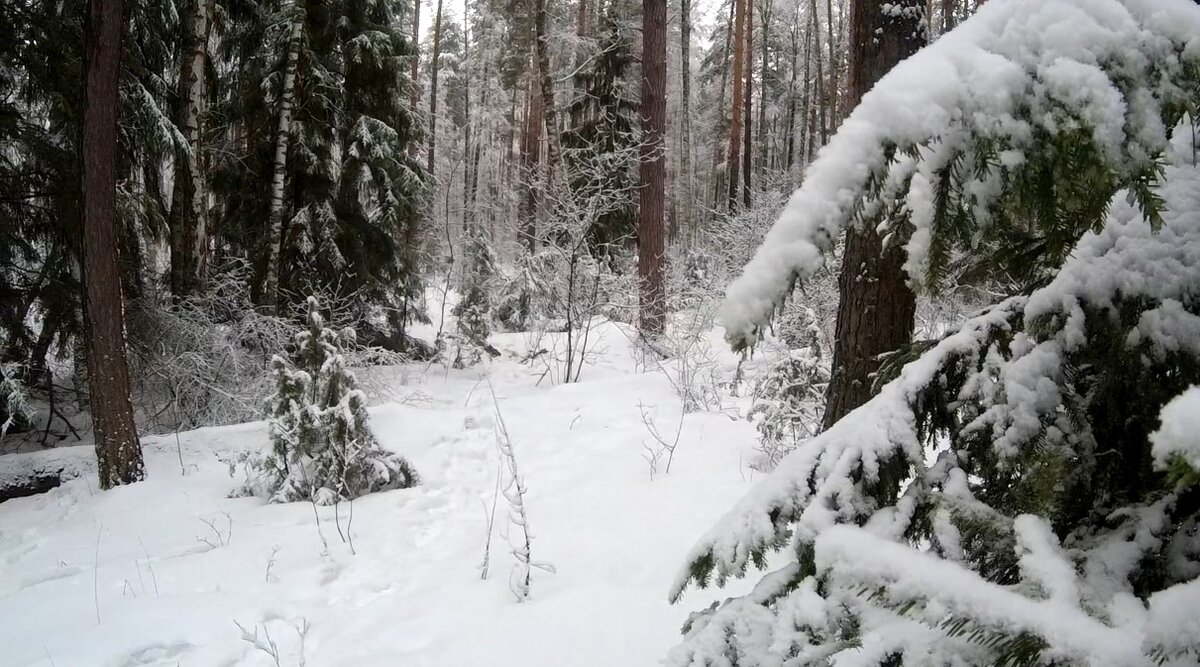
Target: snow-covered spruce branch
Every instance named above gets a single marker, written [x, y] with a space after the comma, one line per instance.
[972, 464]
[513, 490]
[953, 143]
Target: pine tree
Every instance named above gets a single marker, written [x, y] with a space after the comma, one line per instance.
[118, 450]
[322, 448]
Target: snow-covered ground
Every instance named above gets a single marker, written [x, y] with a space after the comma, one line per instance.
[162, 572]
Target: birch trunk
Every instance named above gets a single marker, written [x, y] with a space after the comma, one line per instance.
[269, 294]
[188, 222]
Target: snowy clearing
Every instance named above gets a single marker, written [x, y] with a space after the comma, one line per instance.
[138, 576]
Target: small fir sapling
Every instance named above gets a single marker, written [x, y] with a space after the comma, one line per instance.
[475, 305]
[789, 395]
[322, 448]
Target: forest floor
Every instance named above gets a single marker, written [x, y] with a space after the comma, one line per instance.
[171, 571]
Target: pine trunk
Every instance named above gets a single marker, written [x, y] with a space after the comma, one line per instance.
[118, 452]
[735, 126]
[720, 142]
[413, 66]
[748, 101]
[189, 224]
[545, 77]
[268, 297]
[685, 122]
[433, 85]
[834, 93]
[653, 166]
[875, 313]
[821, 112]
[530, 153]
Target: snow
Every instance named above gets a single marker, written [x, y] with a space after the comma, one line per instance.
[137, 576]
[1179, 434]
[1006, 78]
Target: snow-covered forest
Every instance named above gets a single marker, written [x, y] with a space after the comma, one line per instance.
[545, 333]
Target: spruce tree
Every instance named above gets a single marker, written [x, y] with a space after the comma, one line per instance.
[1017, 493]
[322, 448]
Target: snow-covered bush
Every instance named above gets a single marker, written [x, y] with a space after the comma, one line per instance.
[14, 405]
[1002, 500]
[526, 293]
[322, 448]
[789, 397]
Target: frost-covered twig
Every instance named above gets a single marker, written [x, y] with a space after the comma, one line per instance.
[513, 490]
[654, 453]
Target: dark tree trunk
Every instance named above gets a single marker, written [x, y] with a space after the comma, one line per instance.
[735, 126]
[433, 86]
[531, 134]
[748, 101]
[546, 80]
[875, 313]
[413, 66]
[653, 166]
[118, 452]
[685, 123]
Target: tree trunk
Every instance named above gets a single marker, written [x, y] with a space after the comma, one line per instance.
[189, 224]
[268, 297]
[685, 120]
[834, 93]
[413, 66]
[791, 110]
[819, 86]
[748, 101]
[118, 452]
[653, 166]
[735, 126]
[549, 112]
[766, 7]
[719, 142]
[875, 313]
[433, 86]
[530, 153]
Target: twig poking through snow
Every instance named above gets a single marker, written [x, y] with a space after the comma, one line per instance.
[514, 493]
[491, 522]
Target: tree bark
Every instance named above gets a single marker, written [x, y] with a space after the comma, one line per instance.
[433, 85]
[876, 308]
[819, 85]
[834, 93]
[720, 142]
[118, 452]
[268, 297]
[653, 167]
[413, 68]
[685, 122]
[531, 134]
[549, 112]
[748, 101]
[189, 223]
[735, 126]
